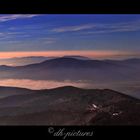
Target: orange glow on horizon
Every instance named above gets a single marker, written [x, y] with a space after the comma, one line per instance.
[88, 53]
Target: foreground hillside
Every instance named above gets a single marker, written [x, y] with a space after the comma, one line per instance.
[69, 106]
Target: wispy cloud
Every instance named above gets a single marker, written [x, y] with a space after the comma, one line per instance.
[48, 40]
[73, 28]
[95, 28]
[116, 27]
[8, 36]
[8, 17]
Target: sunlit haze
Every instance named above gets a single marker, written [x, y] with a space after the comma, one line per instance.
[101, 54]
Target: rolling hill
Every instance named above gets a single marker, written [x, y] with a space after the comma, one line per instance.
[70, 106]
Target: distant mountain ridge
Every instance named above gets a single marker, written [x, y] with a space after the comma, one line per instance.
[77, 57]
[69, 61]
[64, 68]
[41, 59]
[19, 61]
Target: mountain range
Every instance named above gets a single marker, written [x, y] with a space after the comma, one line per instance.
[20, 61]
[70, 105]
[68, 68]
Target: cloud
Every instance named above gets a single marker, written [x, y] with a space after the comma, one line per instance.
[116, 27]
[73, 28]
[48, 40]
[4, 18]
[8, 36]
[99, 28]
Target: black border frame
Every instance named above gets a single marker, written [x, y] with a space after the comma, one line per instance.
[85, 7]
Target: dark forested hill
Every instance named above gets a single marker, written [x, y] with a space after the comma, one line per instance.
[70, 106]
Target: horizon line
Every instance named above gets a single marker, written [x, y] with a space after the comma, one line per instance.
[98, 54]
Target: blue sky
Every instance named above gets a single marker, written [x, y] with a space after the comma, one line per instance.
[52, 32]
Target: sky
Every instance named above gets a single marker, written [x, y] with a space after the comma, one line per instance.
[93, 35]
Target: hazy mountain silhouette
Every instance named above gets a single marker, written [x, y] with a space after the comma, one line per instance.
[77, 57]
[75, 69]
[19, 61]
[69, 106]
